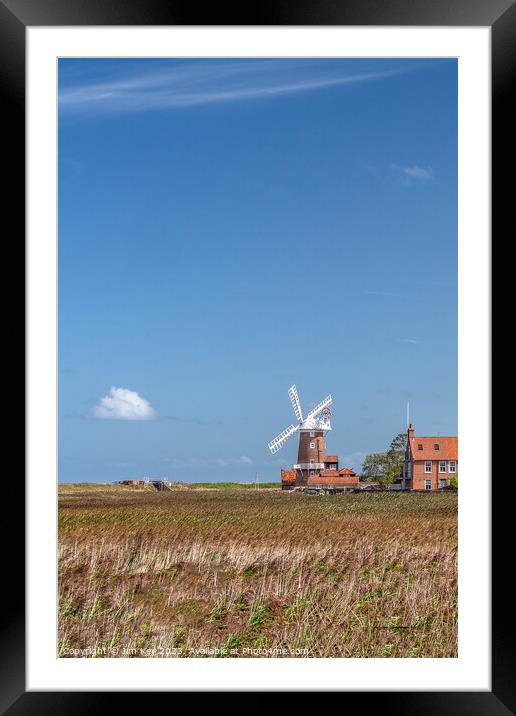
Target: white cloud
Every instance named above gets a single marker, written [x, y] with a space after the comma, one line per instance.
[194, 462]
[408, 340]
[123, 404]
[354, 460]
[418, 172]
[414, 172]
[243, 460]
[193, 84]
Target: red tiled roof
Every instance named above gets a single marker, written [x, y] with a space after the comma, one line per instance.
[448, 448]
[288, 476]
[347, 471]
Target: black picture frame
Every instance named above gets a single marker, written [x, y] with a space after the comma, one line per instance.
[15, 17]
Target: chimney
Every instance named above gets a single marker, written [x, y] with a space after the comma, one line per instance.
[410, 431]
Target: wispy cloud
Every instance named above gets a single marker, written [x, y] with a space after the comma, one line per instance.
[403, 175]
[354, 460]
[414, 172]
[208, 82]
[196, 462]
[418, 172]
[242, 460]
[408, 340]
[123, 404]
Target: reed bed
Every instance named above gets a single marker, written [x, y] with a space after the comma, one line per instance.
[257, 573]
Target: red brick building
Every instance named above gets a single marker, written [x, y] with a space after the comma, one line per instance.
[288, 479]
[325, 474]
[430, 462]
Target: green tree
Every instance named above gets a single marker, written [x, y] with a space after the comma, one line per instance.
[399, 443]
[373, 467]
[385, 467]
[396, 455]
[454, 482]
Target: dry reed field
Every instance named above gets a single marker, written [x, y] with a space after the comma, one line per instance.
[247, 573]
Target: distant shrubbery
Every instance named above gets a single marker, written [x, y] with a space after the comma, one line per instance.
[386, 467]
[232, 485]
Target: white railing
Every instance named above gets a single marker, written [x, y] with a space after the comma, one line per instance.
[309, 466]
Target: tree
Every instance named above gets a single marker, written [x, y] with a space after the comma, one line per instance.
[385, 467]
[396, 454]
[454, 482]
[373, 467]
[399, 443]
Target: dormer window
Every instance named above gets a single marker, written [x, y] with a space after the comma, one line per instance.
[420, 446]
[436, 446]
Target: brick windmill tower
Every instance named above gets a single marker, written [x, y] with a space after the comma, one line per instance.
[311, 454]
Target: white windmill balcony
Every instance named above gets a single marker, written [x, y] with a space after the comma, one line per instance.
[309, 466]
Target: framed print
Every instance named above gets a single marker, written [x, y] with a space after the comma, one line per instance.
[258, 352]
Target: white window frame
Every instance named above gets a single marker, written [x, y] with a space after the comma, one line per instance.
[312, 433]
[452, 466]
[428, 463]
[441, 481]
[312, 473]
[312, 446]
[442, 466]
[428, 485]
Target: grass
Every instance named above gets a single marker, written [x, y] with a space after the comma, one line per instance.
[233, 485]
[114, 487]
[257, 573]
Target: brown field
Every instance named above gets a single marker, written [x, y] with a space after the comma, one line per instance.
[256, 573]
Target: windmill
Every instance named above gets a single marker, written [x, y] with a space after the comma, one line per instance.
[312, 429]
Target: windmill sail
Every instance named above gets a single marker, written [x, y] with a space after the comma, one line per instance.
[294, 398]
[319, 408]
[281, 439]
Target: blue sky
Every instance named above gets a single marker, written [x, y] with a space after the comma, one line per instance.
[230, 227]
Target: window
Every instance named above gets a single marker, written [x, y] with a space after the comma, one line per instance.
[332, 467]
[312, 433]
[312, 445]
[428, 484]
[442, 465]
[409, 470]
[312, 473]
[452, 466]
[436, 446]
[420, 446]
[443, 483]
[428, 466]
